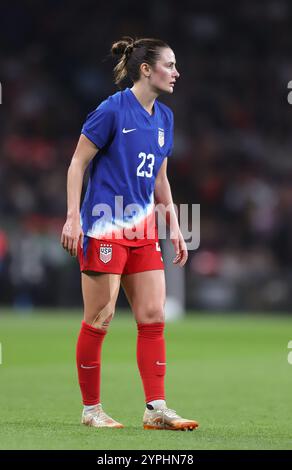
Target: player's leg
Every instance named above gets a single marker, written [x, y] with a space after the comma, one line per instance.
[101, 264]
[100, 292]
[146, 294]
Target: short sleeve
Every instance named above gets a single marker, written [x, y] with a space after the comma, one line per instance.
[100, 124]
[170, 138]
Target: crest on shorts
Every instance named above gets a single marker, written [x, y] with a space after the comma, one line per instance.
[105, 252]
[160, 137]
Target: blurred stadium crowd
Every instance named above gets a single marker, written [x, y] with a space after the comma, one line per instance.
[232, 140]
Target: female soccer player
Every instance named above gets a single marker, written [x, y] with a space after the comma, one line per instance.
[126, 140]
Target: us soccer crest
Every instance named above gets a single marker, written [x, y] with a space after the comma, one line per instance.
[160, 136]
[105, 252]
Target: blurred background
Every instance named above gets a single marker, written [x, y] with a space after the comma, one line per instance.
[232, 141]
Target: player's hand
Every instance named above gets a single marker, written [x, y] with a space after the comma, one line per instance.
[180, 248]
[71, 234]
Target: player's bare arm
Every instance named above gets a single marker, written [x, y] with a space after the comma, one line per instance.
[72, 232]
[163, 196]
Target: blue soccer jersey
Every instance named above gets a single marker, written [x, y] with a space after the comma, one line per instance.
[119, 200]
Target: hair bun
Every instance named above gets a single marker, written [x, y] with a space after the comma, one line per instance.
[124, 46]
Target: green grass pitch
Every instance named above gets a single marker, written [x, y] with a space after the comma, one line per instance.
[230, 372]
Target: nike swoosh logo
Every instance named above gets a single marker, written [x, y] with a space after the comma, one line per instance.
[87, 367]
[161, 363]
[125, 131]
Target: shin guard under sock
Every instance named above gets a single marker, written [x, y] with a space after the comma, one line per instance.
[88, 359]
[151, 360]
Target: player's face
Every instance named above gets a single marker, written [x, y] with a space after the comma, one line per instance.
[164, 74]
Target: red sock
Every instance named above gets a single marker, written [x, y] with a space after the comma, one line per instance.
[88, 354]
[151, 359]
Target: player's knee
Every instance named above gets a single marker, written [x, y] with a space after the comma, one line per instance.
[103, 323]
[151, 314]
[99, 317]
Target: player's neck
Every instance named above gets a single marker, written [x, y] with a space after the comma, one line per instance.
[145, 97]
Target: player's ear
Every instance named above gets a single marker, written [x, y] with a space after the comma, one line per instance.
[145, 69]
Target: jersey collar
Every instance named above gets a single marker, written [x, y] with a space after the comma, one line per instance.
[136, 103]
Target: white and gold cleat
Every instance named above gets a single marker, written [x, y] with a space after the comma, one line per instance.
[165, 418]
[97, 418]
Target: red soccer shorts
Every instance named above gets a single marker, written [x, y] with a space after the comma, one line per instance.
[111, 257]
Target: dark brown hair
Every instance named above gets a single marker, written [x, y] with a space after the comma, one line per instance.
[133, 53]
